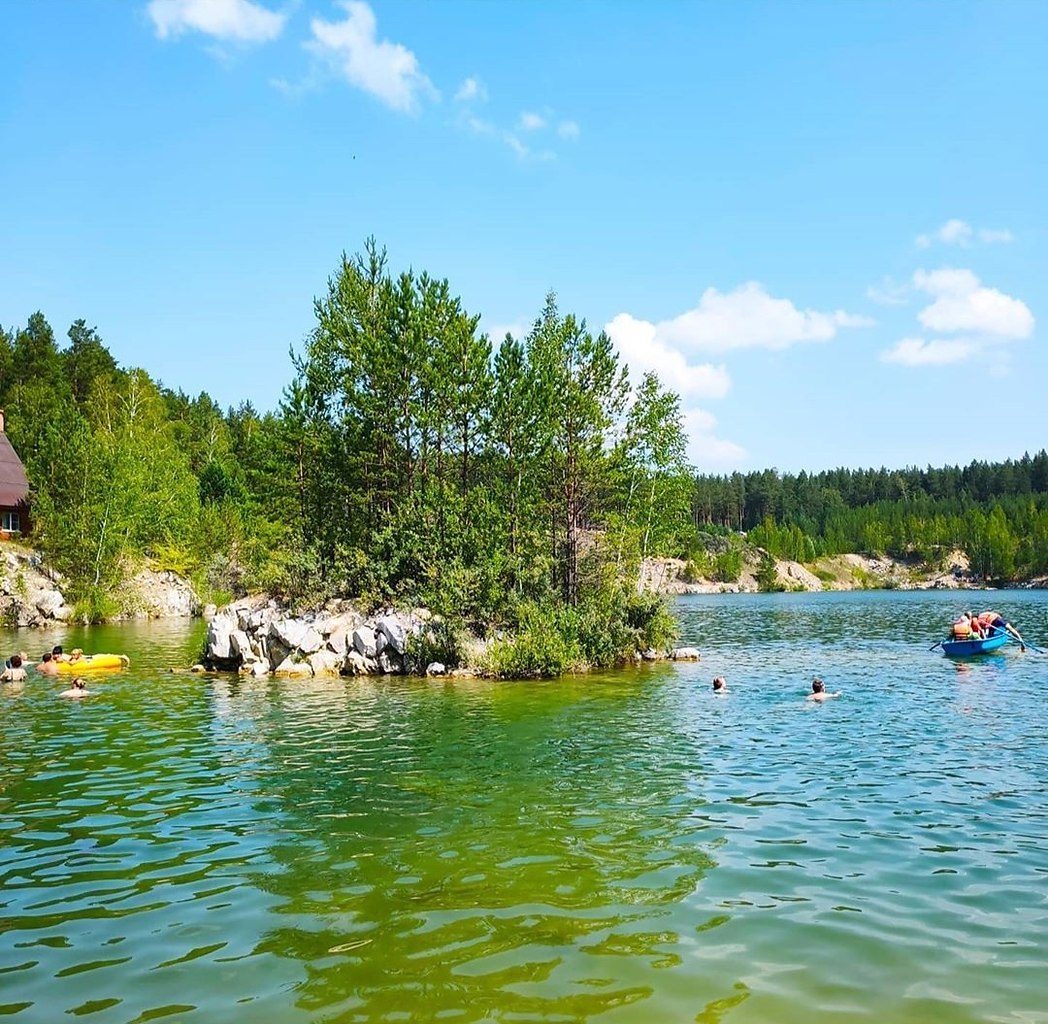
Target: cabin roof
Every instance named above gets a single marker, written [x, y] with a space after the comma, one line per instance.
[14, 487]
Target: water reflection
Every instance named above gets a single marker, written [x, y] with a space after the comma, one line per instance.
[479, 848]
[630, 847]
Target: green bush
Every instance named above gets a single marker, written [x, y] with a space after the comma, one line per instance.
[439, 641]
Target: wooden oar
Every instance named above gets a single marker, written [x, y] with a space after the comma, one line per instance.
[933, 646]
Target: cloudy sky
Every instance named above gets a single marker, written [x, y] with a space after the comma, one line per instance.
[824, 224]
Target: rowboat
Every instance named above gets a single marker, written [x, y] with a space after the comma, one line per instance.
[977, 645]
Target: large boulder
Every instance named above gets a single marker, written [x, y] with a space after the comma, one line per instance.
[217, 646]
[391, 663]
[394, 631]
[356, 664]
[364, 641]
[325, 663]
[338, 642]
[288, 631]
[294, 669]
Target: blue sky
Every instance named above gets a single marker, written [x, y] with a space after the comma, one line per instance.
[823, 223]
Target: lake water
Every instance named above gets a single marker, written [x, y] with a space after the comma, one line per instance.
[623, 848]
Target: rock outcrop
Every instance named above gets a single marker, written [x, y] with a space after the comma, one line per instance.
[256, 636]
[30, 592]
[159, 594]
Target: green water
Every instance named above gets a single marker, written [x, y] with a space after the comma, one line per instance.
[622, 848]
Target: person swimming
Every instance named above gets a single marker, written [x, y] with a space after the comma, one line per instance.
[720, 684]
[818, 691]
[78, 688]
[14, 672]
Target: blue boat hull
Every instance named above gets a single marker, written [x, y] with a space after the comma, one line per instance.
[966, 648]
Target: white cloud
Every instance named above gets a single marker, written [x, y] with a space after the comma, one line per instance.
[998, 235]
[516, 145]
[749, 317]
[568, 130]
[531, 122]
[642, 349]
[959, 232]
[706, 451]
[471, 89]
[387, 70]
[889, 292]
[497, 331]
[939, 352]
[963, 304]
[955, 232]
[236, 20]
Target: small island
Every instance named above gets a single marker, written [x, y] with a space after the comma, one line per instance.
[521, 506]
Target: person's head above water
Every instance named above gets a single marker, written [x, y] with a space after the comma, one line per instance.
[47, 656]
[719, 683]
[818, 686]
[56, 650]
[79, 683]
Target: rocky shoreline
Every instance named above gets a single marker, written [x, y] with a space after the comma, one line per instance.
[258, 637]
[841, 572]
[31, 592]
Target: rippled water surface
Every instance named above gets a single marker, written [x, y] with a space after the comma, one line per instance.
[628, 847]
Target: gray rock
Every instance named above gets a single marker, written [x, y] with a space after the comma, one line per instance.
[338, 642]
[289, 632]
[310, 641]
[294, 669]
[325, 663]
[355, 664]
[435, 668]
[685, 654]
[364, 641]
[391, 663]
[217, 645]
[394, 631]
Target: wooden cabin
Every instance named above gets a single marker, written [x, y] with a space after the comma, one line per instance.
[14, 490]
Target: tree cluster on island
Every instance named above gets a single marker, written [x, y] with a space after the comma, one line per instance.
[511, 487]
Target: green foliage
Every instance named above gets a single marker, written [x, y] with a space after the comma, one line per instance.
[727, 565]
[441, 641]
[767, 575]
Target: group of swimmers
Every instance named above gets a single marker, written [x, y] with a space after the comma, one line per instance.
[15, 669]
[976, 627]
[818, 693]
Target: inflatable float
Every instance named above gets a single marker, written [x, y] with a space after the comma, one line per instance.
[87, 662]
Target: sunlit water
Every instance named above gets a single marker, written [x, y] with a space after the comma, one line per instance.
[626, 847]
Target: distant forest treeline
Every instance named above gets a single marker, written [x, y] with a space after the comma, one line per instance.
[997, 513]
[413, 460]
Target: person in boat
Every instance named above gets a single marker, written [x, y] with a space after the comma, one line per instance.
[14, 672]
[77, 688]
[48, 666]
[818, 691]
[995, 620]
[967, 627]
[720, 684]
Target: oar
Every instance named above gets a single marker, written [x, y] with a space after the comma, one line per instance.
[933, 646]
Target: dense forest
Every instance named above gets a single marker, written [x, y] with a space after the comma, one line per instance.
[997, 513]
[413, 460]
